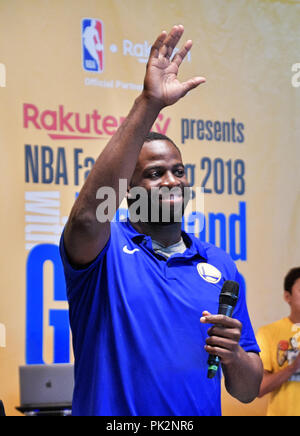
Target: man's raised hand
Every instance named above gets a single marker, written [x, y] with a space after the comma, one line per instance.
[161, 83]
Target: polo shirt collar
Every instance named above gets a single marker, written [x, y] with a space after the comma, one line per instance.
[194, 245]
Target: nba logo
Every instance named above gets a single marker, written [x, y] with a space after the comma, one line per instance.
[92, 45]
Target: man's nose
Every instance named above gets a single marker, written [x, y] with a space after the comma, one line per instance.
[170, 180]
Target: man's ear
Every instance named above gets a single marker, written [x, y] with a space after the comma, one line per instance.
[287, 297]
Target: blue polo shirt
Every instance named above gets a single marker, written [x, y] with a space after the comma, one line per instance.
[138, 342]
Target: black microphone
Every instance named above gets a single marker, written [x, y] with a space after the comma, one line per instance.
[228, 298]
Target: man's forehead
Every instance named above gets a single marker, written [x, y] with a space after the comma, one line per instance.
[158, 150]
[297, 283]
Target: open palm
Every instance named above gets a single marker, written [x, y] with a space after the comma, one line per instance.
[161, 82]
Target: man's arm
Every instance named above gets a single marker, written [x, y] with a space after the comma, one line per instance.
[84, 236]
[242, 371]
[272, 381]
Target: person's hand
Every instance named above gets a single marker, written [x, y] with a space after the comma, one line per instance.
[224, 336]
[161, 84]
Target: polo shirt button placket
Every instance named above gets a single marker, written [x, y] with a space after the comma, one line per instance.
[168, 269]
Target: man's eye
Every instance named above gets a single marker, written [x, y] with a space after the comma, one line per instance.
[179, 173]
[154, 174]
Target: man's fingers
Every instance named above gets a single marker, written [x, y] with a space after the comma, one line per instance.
[158, 44]
[223, 353]
[192, 84]
[220, 320]
[165, 43]
[180, 55]
[219, 342]
[171, 41]
[229, 333]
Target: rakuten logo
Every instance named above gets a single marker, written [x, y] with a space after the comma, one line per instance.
[141, 50]
[63, 124]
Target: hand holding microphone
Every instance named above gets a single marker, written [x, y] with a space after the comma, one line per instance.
[223, 341]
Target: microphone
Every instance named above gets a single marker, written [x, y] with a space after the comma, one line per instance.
[228, 298]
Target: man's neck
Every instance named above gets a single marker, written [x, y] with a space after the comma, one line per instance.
[166, 235]
[295, 317]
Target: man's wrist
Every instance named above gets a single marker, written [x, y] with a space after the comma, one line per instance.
[151, 102]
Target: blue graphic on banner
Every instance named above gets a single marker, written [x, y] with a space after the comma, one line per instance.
[58, 318]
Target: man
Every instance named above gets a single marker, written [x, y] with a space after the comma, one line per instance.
[280, 353]
[136, 289]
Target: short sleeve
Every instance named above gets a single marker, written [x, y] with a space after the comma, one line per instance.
[76, 277]
[264, 343]
[248, 340]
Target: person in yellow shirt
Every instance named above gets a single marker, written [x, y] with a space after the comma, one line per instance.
[280, 352]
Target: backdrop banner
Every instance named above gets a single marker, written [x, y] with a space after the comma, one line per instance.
[69, 73]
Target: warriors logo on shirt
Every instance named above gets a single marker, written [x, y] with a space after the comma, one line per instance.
[209, 273]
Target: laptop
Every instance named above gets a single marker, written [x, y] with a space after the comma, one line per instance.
[46, 387]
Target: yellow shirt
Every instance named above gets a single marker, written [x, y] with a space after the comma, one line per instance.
[280, 344]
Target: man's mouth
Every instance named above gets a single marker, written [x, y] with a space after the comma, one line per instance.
[171, 199]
